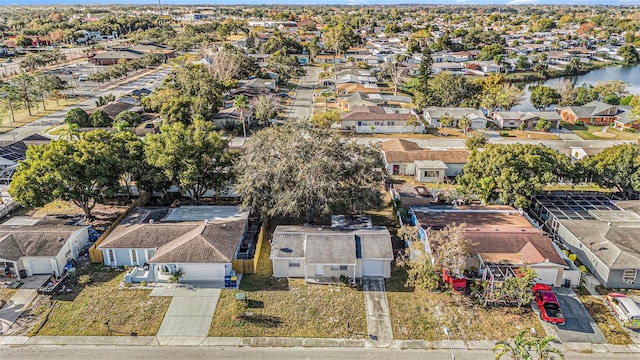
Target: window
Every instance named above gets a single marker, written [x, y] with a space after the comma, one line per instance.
[338, 267]
[112, 257]
[430, 173]
[134, 257]
[294, 263]
[629, 276]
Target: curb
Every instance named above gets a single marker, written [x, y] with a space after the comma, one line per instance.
[570, 347]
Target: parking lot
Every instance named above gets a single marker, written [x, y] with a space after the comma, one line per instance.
[579, 326]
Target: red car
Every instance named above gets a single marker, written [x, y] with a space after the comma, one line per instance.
[548, 304]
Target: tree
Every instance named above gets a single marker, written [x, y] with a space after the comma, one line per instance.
[617, 166]
[77, 116]
[499, 94]
[228, 64]
[450, 248]
[607, 89]
[266, 107]
[629, 54]
[85, 172]
[23, 41]
[395, 71]
[450, 90]
[519, 287]
[294, 171]
[464, 123]
[543, 96]
[489, 52]
[425, 70]
[324, 119]
[523, 63]
[573, 66]
[446, 120]
[543, 125]
[521, 171]
[477, 140]
[543, 348]
[133, 119]
[285, 66]
[421, 270]
[24, 84]
[100, 119]
[194, 157]
[9, 100]
[240, 103]
[70, 132]
[567, 93]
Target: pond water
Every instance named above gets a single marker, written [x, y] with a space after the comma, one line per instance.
[628, 74]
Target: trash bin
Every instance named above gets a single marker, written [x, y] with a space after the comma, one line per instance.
[567, 283]
[233, 281]
[23, 274]
[227, 281]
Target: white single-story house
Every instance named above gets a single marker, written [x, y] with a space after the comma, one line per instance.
[200, 242]
[40, 246]
[404, 157]
[433, 114]
[324, 254]
[513, 119]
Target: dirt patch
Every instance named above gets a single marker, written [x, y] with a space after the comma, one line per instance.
[31, 317]
[608, 324]
[603, 135]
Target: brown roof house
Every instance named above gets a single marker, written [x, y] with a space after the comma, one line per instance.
[40, 246]
[404, 157]
[322, 255]
[502, 240]
[198, 241]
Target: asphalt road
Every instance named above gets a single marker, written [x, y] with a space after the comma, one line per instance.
[149, 81]
[302, 104]
[69, 352]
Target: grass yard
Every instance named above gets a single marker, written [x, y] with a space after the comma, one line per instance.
[5, 295]
[288, 308]
[83, 312]
[421, 315]
[576, 187]
[22, 117]
[595, 133]
[608, 324]
[534, 135]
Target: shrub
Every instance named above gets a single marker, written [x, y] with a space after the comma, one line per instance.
[176, 276]
[583, 269]
[345, 279]
[504, 133]
[84, 279]
[143, 283]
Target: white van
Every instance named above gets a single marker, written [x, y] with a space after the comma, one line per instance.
[83, 77]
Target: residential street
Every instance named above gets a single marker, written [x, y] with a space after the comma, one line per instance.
[81, 352]
[302, 103]
[150, 81]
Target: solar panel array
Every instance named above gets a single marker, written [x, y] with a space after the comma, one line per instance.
[575, 206]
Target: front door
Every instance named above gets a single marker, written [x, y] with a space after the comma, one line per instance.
[319, 270]
[396, 169]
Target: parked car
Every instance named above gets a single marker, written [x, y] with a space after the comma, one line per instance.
[283, 95]
[423, 191]
[83, 77]
[625, 309]
[548, 304]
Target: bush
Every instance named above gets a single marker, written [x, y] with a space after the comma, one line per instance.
[143, 283]
[84, 279]
[345, 279]
[504, 134]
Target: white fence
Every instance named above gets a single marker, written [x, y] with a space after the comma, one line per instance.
[380, 129]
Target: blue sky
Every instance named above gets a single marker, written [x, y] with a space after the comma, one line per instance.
[363, 2]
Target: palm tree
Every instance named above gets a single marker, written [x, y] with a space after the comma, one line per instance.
[573, 66]
[516, 350]
[70, 132]
[241, 104]
[464, 123]
[543, 348]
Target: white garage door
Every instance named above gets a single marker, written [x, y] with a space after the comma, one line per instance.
[41, 267]
[202, 272]
[547, 275]
[373, 268]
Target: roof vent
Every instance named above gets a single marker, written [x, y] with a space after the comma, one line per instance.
[150, 221]
[206, 222]
[609, 223]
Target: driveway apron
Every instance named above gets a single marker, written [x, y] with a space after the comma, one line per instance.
[190, 312]
[377, 311]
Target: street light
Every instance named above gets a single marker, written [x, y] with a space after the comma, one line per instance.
[448, 333]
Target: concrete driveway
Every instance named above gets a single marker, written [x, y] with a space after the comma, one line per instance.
[377, 312]
[579, 326]
[190, 311]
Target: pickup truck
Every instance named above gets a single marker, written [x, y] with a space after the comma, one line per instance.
[548, 304]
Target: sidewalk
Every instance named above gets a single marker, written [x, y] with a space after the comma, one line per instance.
[293, 342]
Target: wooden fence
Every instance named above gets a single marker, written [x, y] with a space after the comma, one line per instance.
[95, 255]
[249, 266]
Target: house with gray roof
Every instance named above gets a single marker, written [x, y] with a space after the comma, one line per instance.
[323, 254]
[592, 113]
[40, 246]
[513, 119]
[433, 115]
[604, 234]
[198, 241]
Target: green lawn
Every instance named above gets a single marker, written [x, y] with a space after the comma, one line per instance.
[83, 311]
[288, 308]
[595, 133]
[419, 314]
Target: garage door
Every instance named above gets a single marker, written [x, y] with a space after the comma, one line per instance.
[373, 268]
[41, 267]
[547, 275]
[202, 272]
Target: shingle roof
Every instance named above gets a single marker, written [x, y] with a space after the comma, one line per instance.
[528, 247]
[9, 249]
[375, 244]
[34, 240]
[447, 156]
[430, 164]
[330, 248]
[399, 145]
[287, 245]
